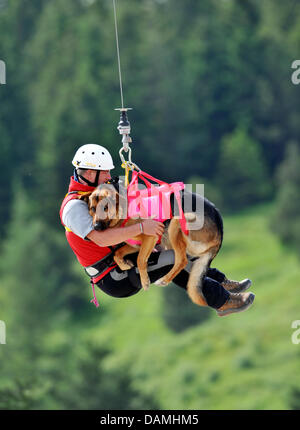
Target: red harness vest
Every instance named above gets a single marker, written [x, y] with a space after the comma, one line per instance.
[87, 252]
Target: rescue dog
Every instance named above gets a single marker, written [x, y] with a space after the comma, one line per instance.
[203, 241]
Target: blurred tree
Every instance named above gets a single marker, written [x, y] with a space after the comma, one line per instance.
[295, 399]
[70, 375]
[241, 172]
[210, 190]
[45, 296]
[90, 383]
[73, 85]
[38, 270]
[179, 313]
[210, 84]
[17, 396]
[286, 219]
[194, 72]
[277, 102]
[17, 23]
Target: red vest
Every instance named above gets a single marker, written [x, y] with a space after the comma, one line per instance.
[87, 252]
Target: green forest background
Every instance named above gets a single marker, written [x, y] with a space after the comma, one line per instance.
[213, 102]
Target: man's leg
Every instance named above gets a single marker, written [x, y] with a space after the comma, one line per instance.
[229, 285]
[160, 263]
[216, 275]
[120, 283]
[215, 294]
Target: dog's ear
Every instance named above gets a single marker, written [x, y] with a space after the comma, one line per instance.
[85, 196]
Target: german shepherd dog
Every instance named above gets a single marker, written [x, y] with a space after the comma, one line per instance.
[205, 234]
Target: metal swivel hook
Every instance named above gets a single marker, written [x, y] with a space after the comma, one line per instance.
[124, 130]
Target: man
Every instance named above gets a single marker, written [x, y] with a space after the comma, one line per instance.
[94, 249]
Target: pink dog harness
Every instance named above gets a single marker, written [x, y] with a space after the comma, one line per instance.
[153, 201]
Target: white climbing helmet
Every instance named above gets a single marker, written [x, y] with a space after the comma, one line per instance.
[94, 157]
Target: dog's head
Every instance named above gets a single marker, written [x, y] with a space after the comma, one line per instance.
[106, 206]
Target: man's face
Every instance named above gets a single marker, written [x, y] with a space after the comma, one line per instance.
[104, 176]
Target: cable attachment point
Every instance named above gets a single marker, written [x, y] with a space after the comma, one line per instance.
[124, 128]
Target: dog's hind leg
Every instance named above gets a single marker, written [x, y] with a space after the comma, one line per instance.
[178, 243]
[194, 286]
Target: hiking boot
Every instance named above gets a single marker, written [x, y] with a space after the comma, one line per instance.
[236, 303]
[235, 286]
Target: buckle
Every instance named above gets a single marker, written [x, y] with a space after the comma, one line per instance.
[99, 267]
[91, 271]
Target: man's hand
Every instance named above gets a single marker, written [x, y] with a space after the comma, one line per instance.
[153, 228]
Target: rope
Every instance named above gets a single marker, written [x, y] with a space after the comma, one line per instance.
[124, 125]
[118, 53]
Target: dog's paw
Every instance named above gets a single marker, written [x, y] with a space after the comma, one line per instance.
[125, 264]
[129, 264]
[146, 285]
[161, 282]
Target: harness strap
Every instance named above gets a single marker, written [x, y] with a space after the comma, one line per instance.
[91, 184]
[175, 187]
[94, 300]
[100, 267]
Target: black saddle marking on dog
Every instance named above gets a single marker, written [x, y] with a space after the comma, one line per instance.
[210, 210]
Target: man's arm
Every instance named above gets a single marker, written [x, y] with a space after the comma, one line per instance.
[77, 218]
[113, 236]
